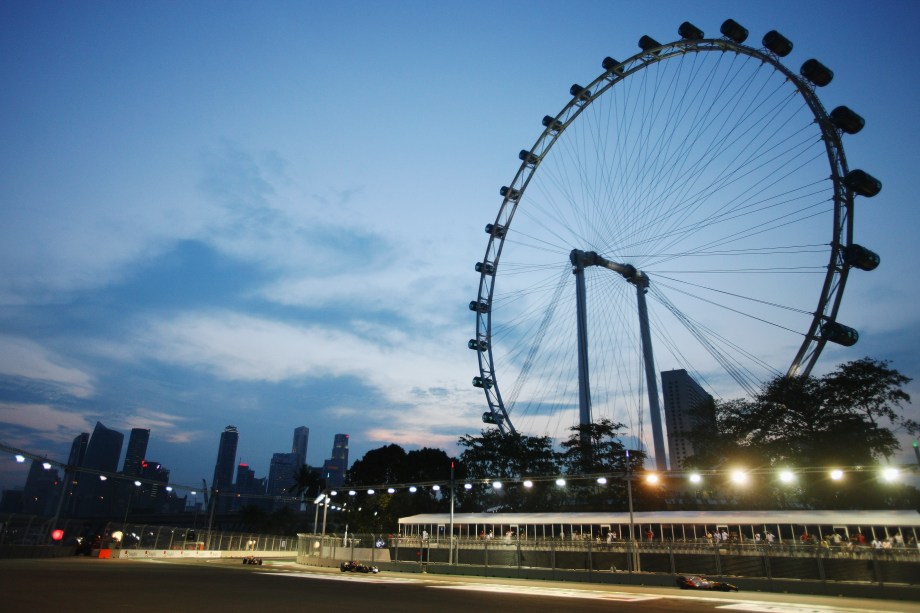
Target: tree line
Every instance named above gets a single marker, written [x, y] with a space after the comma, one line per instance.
[848, 418]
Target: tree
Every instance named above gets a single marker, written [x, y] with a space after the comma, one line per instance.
[845, 418]
[870, 388]
[385, 464]
[307, 483]
[606, 456]
[606, 453]
[253, 517]
[392, 465]
[495, 456]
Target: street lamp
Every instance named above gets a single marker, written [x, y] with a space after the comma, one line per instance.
[633, 554]
[890, 474]
[316, 502]
[325, 511]
[124, 522]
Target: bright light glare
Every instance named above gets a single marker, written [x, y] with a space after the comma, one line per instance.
[413, 489]
[652, 479]
[352, 492]
[169, 488]
[20, 458]
[786, 476]
[137, 484]
[102, 478]
[467, 486]
[602, 480]
[890, 474]
[46, 465]
[836, 474]
[695, 478]
[560, 482]
[370, 492]
[391, 490]
[739, 477]
[497, 485]
[436, 488]
[528, 483]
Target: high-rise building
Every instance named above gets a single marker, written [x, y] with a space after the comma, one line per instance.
[95, 496]
[248, 490]
[335, 467]
[686, 406]
[281, 473]
[104, 449]
[72, 477]
[226, 460]
[42, 488]
[137, 449]
[152, 495]
[78, 449]
[299, 446]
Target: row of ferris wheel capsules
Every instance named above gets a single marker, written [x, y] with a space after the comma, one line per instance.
[843, 118]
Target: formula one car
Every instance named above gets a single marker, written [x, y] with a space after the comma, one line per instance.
[697, 582]
[357, 567]
[252, 560]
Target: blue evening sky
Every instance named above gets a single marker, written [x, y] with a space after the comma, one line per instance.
[266, 214]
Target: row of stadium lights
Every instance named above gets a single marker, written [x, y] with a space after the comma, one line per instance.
[739, 477]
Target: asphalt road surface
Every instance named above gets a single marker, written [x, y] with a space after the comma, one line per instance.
[89, 584]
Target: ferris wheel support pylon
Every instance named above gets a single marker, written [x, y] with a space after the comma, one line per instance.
[579, 260]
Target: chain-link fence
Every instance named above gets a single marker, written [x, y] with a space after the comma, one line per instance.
[33, 536]
[900, 564]
[117, 535]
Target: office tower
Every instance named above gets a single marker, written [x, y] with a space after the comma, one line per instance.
[104, 449]
[245, 477]
[686, 406]
[152, 494]
[226, 457]
[334, 468]
[78, 449]
[71, 476]
[299, 446]
[281, 473]
[42, 487]
[137, 449]
[248, 490]
[94, 495]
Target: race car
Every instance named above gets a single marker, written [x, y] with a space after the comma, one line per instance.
[698, 582]
[357, 567]
[252, 560]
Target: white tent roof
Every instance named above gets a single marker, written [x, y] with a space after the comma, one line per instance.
[787, 517]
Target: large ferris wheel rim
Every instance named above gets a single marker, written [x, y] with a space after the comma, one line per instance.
[835, 277]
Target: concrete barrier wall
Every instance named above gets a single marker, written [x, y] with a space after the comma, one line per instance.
[190, 554]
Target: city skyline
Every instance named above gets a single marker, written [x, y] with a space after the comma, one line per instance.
[267, 216]
[132, 466]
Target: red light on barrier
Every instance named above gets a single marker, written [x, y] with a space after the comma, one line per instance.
[57, 535]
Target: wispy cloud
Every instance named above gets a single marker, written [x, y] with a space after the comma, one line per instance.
[53, 423]
[20, 357]
[168, 427]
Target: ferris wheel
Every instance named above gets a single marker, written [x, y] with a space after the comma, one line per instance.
[694, 198]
